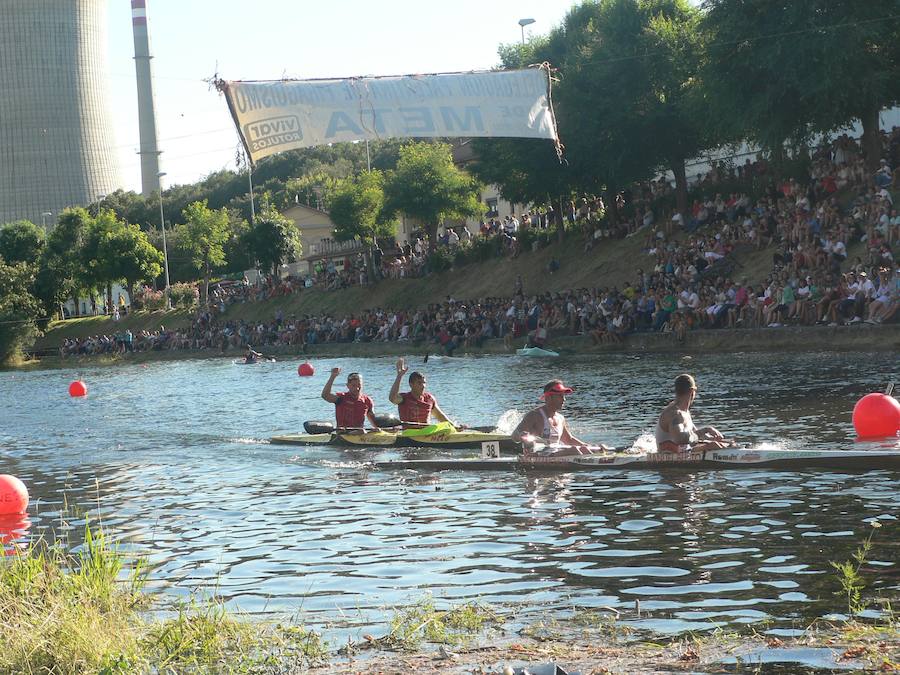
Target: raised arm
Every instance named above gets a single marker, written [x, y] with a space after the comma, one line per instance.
[394, 397]
[326, 390]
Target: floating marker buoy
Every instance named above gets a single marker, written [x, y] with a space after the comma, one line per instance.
[13, 495]
[77, 388]
[876, 416]
[306, 369]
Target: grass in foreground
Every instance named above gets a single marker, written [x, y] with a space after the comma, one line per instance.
[85, 613]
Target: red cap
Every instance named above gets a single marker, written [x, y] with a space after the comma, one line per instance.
[556, 387]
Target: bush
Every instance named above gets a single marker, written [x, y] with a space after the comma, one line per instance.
[184, 295]
[440, 260]
[149, 299]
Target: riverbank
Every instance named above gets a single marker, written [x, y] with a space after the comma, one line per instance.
[92, 615]
[855, 338]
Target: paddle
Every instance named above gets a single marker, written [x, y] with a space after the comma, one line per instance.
[382, 421]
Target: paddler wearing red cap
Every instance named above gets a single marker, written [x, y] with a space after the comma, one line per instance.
[547, 426]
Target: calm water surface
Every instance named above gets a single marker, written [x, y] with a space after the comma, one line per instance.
[172, 458]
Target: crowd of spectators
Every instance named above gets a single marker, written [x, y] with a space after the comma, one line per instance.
[690, 277]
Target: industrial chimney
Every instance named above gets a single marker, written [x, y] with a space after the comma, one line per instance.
[149, 151]
[56, 141]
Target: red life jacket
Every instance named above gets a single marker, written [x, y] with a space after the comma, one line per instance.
[414, 409]
[352, 413]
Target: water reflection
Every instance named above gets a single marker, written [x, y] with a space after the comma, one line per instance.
[169, 458]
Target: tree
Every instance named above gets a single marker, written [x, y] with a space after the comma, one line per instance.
[273, 240]
[357, 211]
[114, 251]
[18, 309]
[428, 187]
[60, 273]
[784, 71]
[204, 235]
[21, 241]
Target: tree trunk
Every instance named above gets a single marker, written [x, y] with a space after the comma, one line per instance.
[560, 222]
[871, 138]
[109, 304]
[129, 288]
[681, 197]
[612, 209]
[431, 229]
[206, 285]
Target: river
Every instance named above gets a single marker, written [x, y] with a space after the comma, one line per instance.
[172, 459]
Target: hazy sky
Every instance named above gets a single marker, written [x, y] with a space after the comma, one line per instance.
[268, 39]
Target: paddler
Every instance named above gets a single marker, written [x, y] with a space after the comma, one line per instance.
[352, 407]
[547, 426]
[416, 407]
[675, 430]
[251, 356]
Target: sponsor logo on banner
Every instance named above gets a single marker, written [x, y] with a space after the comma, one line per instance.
[273, 131]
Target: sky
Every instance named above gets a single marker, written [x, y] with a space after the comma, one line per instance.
[192, 40]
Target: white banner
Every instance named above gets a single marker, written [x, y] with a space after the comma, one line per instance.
[275, 116]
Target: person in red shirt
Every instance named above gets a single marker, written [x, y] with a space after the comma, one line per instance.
[415, 406]
[352, 407]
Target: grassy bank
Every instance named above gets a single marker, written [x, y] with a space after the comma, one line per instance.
[87, 613]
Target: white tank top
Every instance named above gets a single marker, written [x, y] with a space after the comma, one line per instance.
[552, 432]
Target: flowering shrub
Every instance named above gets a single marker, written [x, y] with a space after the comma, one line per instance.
[184, 295]
[147, 298]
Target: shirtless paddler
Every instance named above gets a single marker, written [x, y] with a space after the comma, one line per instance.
[546, 425]
[675, 430]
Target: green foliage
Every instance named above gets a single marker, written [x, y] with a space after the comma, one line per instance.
[780, 72]
[849, 576]
[21, 241]
[428, 187]
[204, 235]
[357, 209]
[273, 240]
[410, 625]
[439, 260]
[183, 295]
[19, 309]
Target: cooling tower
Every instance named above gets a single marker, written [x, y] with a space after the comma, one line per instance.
[149, 151]
[56, 142]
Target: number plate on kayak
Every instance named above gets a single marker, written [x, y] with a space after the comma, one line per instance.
[490, 449]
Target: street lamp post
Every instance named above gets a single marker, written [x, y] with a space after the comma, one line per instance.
[44, 216]
[162, 224]
[522, 24]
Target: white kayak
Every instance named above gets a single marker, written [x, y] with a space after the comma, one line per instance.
[535, 351]
[728, 458]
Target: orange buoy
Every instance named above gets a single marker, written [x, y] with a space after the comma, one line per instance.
[876, 416]
[77, 388]
[306, 369]
[13, 495]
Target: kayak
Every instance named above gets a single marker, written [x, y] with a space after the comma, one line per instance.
[242, 362]
[535, 351]
[465, 439]
[728, 458]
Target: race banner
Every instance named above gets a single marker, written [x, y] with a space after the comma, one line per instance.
[280, 115]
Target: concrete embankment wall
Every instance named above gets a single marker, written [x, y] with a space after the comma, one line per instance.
[858, 338]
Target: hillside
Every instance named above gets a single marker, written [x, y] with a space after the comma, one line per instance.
[612, 262]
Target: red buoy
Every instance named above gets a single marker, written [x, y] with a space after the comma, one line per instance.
[13, 495]
[306, 369]
[876, 416]
[77, 388]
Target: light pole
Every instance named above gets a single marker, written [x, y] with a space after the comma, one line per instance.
[44, 216]
[522, 24]
[162, 224]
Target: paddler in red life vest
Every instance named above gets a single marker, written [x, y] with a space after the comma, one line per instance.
[675, 431]
[416, 406]
[547, 426]
[352, 407]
